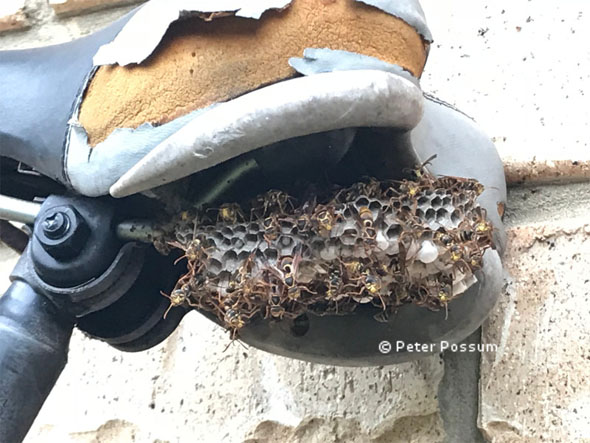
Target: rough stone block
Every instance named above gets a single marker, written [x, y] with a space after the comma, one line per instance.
[73, 7]
[189, 389]
[537, 386]
[12, 16]
[510, 66]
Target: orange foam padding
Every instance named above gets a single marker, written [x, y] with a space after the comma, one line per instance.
[199, 63]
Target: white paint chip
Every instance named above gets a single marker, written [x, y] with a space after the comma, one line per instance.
[144, 31]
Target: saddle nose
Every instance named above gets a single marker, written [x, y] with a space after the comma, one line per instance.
[38, 91]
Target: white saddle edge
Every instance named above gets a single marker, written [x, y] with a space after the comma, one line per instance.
[291, 108]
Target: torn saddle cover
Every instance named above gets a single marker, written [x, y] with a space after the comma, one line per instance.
[213, 80]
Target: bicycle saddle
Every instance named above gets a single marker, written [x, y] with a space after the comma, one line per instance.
[38, 89]
[174, 95]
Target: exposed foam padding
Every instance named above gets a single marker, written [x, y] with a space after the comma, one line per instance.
[199, 63]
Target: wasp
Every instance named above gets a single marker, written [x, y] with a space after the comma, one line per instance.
[448, 182]
[394, 270]
[250, 287]
[419, 171]
[302, 218]
[369, 188]
[414, 229]
[452, 183]
[474, 254]
[325, 219]
[365, 216]
[230, 213]
[407, 201]
[353, 267]
[456, 252]
[372, 284]
[245, 270]
[484, 232]
[275, 309]
[418, 294]
[443, 238]
[370, 287]
[459, 258]
[287, 271]
[408, 189]
[273, 199]
[303, 223]
[445, 293]
[235, 319]
[472, 184]
[288, 266]
[474, 258]
[195, 251]
[465, 235]
[178, 297]
[336, 290]
[271, 227]
[335, 284]
[187, 218]
[392, 190]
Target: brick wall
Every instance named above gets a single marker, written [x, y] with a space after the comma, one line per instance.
[510, 65]
[32, 23]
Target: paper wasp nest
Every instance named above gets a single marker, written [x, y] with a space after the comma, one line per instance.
[387, 243]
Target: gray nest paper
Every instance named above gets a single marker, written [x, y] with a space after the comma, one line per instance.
[301, 106]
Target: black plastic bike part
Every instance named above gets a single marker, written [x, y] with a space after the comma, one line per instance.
[137, 229]
[122, 306]
[39, 88]
[25, 187]
[96, 293]
[119, 303]
[135, 321]
[34, 339]
[63, 232]
[74, 240]
[13, 237]
[117, 296]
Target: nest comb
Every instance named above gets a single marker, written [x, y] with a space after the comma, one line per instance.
[387, 243]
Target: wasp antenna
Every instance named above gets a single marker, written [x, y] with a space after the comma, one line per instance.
[179, 259]
[167, 311]
[429, 160]
[232, 338]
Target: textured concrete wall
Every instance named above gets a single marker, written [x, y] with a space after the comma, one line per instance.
[521, 69]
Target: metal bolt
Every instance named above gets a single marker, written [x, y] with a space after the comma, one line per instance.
[56, 225]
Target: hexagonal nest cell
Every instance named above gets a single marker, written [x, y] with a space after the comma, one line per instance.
[384, 243]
